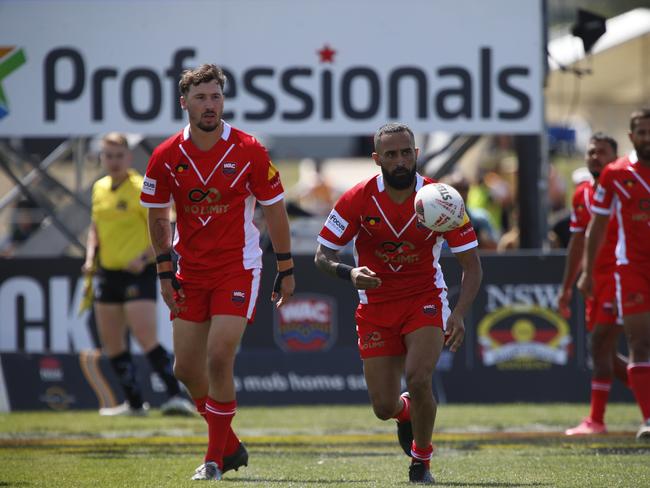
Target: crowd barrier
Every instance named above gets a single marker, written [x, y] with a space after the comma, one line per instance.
[517, 347]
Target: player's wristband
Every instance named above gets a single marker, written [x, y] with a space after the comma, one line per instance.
[161, 258]
[169, 275]
[279, 277]
[283, 256]
[344, 271]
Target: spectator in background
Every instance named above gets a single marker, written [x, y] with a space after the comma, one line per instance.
[313, 193]
[118, 251]
[478, 216]
[560, 216]
[25, 219]
[493, 194]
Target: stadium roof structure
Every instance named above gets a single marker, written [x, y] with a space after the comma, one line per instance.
[603, 87]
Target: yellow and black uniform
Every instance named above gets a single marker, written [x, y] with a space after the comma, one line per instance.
[122, 232]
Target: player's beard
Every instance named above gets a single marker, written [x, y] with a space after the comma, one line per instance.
[400, 181]
[643, 151]
[208, 127]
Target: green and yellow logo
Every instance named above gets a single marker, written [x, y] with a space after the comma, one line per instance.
[11, 58]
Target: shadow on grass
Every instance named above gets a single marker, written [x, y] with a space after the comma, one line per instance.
[626, 451]
[495, 484]
[301, 482]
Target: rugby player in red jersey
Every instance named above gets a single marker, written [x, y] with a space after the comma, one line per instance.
[600, 313]
[403, 316]
[624, 191]
[214, 174]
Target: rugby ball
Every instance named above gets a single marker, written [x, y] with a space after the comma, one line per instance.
[440, 207]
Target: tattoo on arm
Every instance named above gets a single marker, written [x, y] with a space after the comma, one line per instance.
[326, 260]
[161, 233]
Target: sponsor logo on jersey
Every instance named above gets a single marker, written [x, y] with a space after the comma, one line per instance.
[238, 297]
[181, 168]
[430, 309]
[371, 340]
[373, 222]
[336, 223]
[149, 186]
[132, 291]
[397, 252]
[122, 205]
[229, 168]
[211, 195]
[306, 323]
[273, 171]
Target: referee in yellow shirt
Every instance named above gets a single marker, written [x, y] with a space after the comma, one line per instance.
[125, 288]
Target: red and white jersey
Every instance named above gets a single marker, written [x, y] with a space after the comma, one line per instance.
[389, 240]
[214, 193]
[628, 181]
[581, 213]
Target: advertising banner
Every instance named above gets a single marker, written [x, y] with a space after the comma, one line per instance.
[70, 68]
[517, 347]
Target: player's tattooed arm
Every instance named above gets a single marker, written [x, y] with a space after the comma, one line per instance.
[160, 230]
[327, 260]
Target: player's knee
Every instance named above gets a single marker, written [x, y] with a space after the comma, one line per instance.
[384, 410]
[184, 372]
[418, 382]
[219, 361]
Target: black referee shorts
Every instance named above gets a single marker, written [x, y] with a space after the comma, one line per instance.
[122, 286]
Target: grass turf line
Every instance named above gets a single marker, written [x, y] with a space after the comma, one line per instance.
[492, 446]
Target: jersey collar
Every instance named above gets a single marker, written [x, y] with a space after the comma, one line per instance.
[227, 128]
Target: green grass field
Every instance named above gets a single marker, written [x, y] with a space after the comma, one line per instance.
[519, 445]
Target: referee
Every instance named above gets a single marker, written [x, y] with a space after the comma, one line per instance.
[119, 252]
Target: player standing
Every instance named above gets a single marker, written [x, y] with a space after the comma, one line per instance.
[118, 252]
[624, 190]
[600, 313]
[214, 174]
[403, 315]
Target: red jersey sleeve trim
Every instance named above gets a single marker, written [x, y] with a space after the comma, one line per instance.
[273, 200]
[601, 210]
[464, 247]
[576, 230]
[329, 244]
[155, 205]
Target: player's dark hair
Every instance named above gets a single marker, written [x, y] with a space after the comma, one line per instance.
[637, 115]
[203, 74]
[392, 128]
[602, 137]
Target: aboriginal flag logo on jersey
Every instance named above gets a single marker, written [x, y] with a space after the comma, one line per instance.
[306, 324]
[372, 222]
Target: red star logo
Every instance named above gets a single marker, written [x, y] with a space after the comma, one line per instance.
[326, 54]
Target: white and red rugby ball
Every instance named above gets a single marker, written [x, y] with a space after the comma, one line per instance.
[440, 207]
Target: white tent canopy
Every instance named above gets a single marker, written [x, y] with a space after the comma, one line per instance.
[615, 82]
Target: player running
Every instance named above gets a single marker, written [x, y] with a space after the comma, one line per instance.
[403, 315]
